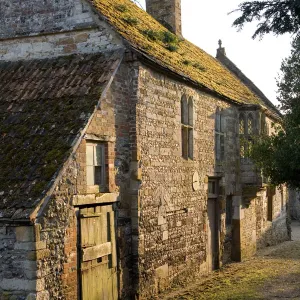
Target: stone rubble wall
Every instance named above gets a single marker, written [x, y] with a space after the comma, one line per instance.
[42, 36]
[110, 125]
[294, 197]
[44, 265]
[20, 245]
[257, 231]
[173, 217]
[33, 17]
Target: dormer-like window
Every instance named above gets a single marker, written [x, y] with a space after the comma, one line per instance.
[187, 127]
[95, 164]
[219, 136]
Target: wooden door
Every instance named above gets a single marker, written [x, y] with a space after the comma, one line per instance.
[98, 262]
[213, 235]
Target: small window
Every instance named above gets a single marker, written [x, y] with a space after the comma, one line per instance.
[95, 164]
[213, 188]
[187, 127]
[219, 136]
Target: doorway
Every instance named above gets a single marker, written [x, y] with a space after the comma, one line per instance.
[97, 253]
[213, 235]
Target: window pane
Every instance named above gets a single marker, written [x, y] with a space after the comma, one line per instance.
[250, 124]
[191, 143]
[222, 147]
[222, 123]
[191, 111]
[218, 121]
[90, 175]
[184, 142]
[217, 146]
[242, 150]
[98, 175]
[212, 187]
[89, 155]
[242, 125]
[99, 153]
[184, 111]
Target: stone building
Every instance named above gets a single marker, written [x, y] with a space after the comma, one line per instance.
[123, 153]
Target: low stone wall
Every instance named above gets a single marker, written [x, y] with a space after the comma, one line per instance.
[20, 246]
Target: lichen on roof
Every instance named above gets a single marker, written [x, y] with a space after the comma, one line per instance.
[147, 35]
[44, 105]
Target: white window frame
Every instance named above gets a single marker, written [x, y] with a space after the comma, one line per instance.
[93, 162]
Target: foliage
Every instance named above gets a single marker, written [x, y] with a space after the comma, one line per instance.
[169, 39]
[279, 154]
[131, 20]
[121, 7]
[274, 16]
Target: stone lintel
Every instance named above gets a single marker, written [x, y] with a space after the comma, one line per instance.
[93, 199]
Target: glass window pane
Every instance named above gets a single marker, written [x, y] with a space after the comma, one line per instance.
[222, 147]
[89, 155]
[191, 143]
[242, 125]
[98, 158]
[90, 175]
[184, 142]
[217, 146]
[212, 187]
[184, 111]
[242, 150]
[250, 124]
[222, 123]
[98, 175]
[217, 121]
[191, 112]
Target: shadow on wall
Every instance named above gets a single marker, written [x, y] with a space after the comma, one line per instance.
[294, 197]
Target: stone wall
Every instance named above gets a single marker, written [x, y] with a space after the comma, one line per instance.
[32, 17]
[19, 275]
[294, 198]
[257, 231]
[44, 264]
[42, 35]
[173, 216]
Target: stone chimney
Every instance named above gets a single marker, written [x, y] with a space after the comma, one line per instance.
[167, 12]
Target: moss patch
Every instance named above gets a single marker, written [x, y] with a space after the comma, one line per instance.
[168, 50]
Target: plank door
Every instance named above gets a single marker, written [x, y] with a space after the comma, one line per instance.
[213, 235]
[98, 262]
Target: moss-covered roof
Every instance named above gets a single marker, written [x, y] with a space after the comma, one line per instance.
[44, 104]
[145, 34]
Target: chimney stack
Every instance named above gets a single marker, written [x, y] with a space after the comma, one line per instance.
[167, 12]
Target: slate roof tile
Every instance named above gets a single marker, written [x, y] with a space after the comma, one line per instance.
[42, 104]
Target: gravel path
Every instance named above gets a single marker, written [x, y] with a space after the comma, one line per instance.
[273, 274]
